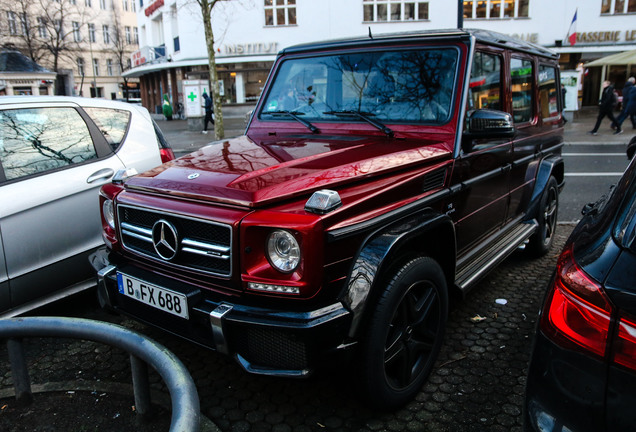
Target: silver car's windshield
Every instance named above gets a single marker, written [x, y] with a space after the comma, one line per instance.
[404, 86]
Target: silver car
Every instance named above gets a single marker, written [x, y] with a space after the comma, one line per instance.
[55, 153]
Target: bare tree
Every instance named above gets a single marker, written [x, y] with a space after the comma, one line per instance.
[122, 44]
[21, 31]
[206, 11]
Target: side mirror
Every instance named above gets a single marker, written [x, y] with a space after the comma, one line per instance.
[485, 123]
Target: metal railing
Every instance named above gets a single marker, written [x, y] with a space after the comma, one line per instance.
[143, 352]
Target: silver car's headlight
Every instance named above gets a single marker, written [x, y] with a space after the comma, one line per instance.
[108, 210]
[283, 251]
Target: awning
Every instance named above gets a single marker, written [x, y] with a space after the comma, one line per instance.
[623, 58]
[163, 65]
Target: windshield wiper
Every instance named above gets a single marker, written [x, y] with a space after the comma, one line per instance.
[364, 116]
[294, 115]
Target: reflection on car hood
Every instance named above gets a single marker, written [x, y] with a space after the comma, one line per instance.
[243, 172]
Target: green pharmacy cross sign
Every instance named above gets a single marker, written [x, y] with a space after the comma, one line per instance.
[192, 96]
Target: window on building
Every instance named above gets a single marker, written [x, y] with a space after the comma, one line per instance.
[548, 95]
[494, 9]
[24, 24]
[88, 3]
[124, 4]
[73, 2]
[91, 32]
[133, 6]
[128, 63]
[394, 10]
[106, 33]
[280, 12]
[485, 82]
[77, 37]
[80, 66]
[614, 7]
[95, 67]
[128, 35]
[102, 4]
[42, 32]
[109, 67]
[59, 27]
[521, 78]
[13, 25]
[136, 35]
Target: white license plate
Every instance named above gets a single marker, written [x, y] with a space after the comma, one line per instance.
[160, 298]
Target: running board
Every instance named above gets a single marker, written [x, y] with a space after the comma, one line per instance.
[474, 269]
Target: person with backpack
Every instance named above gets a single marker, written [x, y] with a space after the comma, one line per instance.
[606, 107]
[629, 106]
[208, 112]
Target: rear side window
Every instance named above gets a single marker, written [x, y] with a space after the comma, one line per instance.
[521, 78]
[485, 82]
[548, 95]
[34, 141]
[112, 123]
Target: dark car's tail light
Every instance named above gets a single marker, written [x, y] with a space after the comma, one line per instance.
[577, 313]
[624, 346]
[166, 155]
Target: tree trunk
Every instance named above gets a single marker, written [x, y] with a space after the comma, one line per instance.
[206, 10]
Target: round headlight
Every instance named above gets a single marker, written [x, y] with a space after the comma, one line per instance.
[108, 210]
[283, 251]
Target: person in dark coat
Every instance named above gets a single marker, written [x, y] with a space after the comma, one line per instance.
[629, 106]
[209, 110]
[606, 107]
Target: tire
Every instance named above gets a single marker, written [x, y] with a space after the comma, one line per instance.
[404, 335]
[541, 241]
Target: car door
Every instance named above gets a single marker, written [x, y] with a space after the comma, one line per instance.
[483, 164]
[53, 161]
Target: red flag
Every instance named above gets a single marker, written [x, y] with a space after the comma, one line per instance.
[572, 30]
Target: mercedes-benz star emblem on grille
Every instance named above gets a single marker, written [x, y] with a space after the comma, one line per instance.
[193, 176]
[165, 239]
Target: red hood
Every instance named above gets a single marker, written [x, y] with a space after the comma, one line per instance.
[243, 172]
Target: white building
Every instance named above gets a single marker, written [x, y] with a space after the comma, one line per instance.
[249, 33]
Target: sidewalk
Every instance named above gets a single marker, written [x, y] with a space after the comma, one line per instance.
[184, 141]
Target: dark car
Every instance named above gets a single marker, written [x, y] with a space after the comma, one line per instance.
[582, 374]
[377, 177]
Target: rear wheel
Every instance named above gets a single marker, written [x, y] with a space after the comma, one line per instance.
[405, 334]
[541, 242]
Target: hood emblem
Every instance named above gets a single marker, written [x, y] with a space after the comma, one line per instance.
[165, 239]
[193, 176]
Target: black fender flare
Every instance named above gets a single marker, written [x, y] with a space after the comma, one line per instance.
[551, 165]
[380, 247]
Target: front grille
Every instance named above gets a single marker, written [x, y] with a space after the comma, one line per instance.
[202, 245]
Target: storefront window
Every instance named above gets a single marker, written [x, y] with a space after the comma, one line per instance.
[619, 6]
[495, 8]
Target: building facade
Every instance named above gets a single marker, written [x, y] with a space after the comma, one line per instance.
[249, 33]
[87, 43]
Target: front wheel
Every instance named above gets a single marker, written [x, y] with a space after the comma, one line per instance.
[541, 242]
[405, 334]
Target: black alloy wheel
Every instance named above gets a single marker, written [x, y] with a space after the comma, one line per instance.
[405, 334]
[541, 242]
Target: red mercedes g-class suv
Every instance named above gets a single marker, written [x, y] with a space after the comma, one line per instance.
[376, 176]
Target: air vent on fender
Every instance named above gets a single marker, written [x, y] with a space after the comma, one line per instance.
[434, 180]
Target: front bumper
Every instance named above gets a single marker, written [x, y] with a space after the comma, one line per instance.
[263, 340]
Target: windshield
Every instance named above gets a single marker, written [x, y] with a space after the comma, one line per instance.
[405, 86]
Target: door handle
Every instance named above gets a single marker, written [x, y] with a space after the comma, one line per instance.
[102, 174]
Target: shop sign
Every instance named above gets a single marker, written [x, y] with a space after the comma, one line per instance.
[152, 7]
[250, 48]
[528, 37]
[139, 57]
[606, 36]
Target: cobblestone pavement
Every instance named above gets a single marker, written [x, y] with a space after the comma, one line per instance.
[478, 384]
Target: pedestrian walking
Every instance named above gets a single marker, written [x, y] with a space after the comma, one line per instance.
[167, 107]
[209, 111]
[629, 106]
[606, 107]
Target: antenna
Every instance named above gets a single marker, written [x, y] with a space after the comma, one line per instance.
[370, 35]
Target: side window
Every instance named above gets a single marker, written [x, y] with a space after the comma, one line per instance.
[34, 141]
[485, 82]
[548, 95]
[521, 79]
[112, 123]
